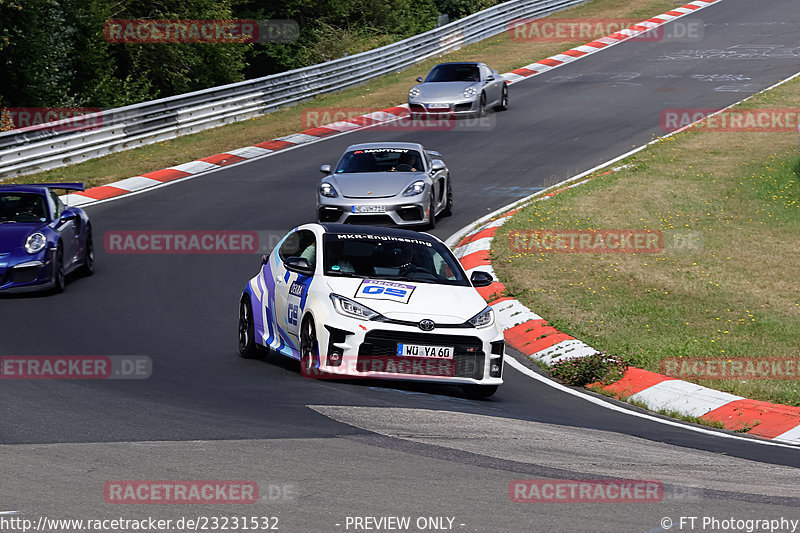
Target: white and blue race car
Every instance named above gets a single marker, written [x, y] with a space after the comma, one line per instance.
[365, 302]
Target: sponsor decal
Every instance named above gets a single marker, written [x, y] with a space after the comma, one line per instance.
[367, 236]
[296, 289]
[378, 289]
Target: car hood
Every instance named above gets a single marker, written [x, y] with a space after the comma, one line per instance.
[444, 304]
[13, 235]
[444, 89]
[373, 184]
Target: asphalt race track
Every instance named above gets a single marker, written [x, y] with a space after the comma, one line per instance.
[322, 451]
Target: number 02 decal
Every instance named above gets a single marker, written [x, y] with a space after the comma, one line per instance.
[291, 314]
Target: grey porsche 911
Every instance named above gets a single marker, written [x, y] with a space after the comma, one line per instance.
[385, 184]
[465, 88]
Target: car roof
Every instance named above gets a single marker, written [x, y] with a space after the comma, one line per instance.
[362, 146]
[339, 229]
[459, 63]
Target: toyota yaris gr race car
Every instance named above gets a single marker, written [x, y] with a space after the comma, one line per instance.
[364, 302]
[466, 88]
[396, 184]
[41, 239]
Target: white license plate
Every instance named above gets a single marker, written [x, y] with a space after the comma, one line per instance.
[438, 106]
[369, 209]
[420, 350]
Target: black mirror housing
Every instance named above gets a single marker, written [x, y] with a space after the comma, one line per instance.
[299, 265]
[481, 279]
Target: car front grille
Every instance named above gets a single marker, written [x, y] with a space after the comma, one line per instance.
[24, 275]
[463, 107]
[371, 220]
[381, 346]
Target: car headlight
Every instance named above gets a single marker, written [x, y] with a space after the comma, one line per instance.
[347, 307]
[326, 189]
[470, 92]
[413, 93]
[483, 319]
[415, 188]
[35, 243]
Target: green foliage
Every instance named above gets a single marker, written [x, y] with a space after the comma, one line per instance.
[54, 52]
[600, 367]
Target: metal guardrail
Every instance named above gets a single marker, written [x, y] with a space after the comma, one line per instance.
[45, 147]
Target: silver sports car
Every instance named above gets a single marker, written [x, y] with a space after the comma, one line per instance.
[459, 89]
[393, 183]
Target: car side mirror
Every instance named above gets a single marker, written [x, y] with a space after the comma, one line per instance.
[481, 279]
[299, 265]
[437, 165]
[419, 79]
[490, 78]
[325, 169]
[67, 216]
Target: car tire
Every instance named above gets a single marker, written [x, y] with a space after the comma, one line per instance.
[59, 278]
[88, 260]
[479, 392]
[247, 335]
[448, 208]
[482, 106]
[503, 106]
[432, 217]
[309, 351]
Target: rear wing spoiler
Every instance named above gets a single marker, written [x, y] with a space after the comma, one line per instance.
[65, 186]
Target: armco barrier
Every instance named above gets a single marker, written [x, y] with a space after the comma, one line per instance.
[35, 150]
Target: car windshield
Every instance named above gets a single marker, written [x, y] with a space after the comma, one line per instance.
[391, 257]
[454, 73]
[380, 160]
[22, 207]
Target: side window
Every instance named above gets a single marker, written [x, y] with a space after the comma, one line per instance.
[300, 244]
[58, 205]
[485, 72]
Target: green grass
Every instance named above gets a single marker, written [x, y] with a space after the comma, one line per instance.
[729, 290]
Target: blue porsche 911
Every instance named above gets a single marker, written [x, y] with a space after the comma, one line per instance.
[41, 239]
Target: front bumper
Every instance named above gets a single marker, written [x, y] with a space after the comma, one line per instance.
[408, 211]
[458, 108]
[26, 274]
[352, 349]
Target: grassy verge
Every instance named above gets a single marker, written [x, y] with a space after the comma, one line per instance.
[732, 292]
[501, 52]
